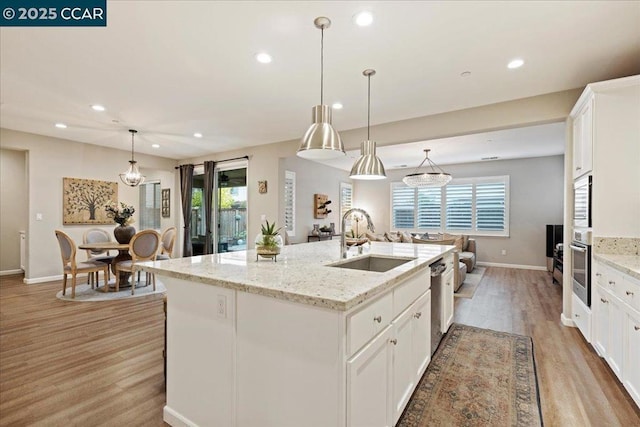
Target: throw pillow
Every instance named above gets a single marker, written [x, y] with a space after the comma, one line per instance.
[375, 237]
[458, 243]
[392, 237]
[465, 242]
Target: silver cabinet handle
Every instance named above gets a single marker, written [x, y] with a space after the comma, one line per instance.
[577, 315]
[637, 328]
[578, 248]
[612, 282]
[578, 168]
[604, 300]
[417, 315]
[598, 274]
[394, 341]
[629, 293]
[378, 319]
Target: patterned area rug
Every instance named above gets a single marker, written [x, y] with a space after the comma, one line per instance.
[84, 293]
[470, 284]
[477, 377]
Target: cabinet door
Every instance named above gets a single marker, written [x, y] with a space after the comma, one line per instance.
[577, 145]
[447, 300]
[601, 316]
[631, 373]
[403, 372]
[616, 332]
[587, 137]
[421, 334]
[369, 384]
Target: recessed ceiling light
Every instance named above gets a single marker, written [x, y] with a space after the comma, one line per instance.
[61, 126]
[363, 18]
[197, 135]
[336, 106]
[465, 74]
[263, 58]
[490, 158]
[155, 145]
[97, 107]
[516, 63]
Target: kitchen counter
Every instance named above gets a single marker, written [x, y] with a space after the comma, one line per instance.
[301, 273]
[627, 264]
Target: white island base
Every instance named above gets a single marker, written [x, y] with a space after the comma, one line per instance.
[239, 358]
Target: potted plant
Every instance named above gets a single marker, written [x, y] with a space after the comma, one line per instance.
[268, 242]
[123, 215]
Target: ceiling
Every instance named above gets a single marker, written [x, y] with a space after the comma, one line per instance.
[172, 68]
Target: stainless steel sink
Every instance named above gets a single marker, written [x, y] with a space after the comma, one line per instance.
[375, 263]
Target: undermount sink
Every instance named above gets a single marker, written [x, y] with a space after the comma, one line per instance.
[375, 263]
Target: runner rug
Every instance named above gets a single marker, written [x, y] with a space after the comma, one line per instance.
[477, 377]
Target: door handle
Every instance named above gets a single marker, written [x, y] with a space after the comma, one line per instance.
[578, 248]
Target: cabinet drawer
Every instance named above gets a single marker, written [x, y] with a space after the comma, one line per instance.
[613, 281]
[368, 322]
[629, 292]
[405, 294]
[582, 317]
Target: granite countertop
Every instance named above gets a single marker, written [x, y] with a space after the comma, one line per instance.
[628, 264]
[301, 273]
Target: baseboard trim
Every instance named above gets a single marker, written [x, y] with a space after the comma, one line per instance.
[566, 321]
[42, 279]
[11, 272]
[175, 419]
[520, 266]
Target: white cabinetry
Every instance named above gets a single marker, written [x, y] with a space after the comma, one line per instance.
[616, 325]
[583, 140]
[582, 317]
[448, 287]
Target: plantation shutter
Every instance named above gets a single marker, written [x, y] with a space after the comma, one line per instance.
[403, 202]
[346, 203]
[290, 202]
[459, 206]
[150, 206]
[490, 206]
[429, 207]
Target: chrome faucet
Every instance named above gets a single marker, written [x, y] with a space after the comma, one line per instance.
[343, 240]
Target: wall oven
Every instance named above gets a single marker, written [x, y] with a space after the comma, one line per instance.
[582, 202]
[581, 265]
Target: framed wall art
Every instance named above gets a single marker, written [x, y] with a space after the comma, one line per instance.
[83, 201]
[262, 187]
[165, 208]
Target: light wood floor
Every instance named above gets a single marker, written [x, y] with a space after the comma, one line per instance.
[99, 364]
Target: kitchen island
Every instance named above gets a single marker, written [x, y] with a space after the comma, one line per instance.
[300, 341]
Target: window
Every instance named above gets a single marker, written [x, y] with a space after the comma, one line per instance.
[290, 202]
[346, 200]
[150, 201]
[477, 206]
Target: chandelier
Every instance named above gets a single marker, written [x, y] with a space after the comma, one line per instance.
[132, 177]
[321, 141]
[433, 178]
[368, 166]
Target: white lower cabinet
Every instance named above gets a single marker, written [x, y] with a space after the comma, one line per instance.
[447, 298]
[616, 325]
[631, 376]
[369, 383]
[421, 330]
[581, 317]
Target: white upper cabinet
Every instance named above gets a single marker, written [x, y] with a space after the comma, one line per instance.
[583, 140]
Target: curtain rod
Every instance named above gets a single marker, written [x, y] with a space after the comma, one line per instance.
[219, 161]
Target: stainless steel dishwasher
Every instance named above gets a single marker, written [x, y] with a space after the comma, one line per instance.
[437, 268]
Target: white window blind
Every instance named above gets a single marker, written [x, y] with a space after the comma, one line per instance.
[290, 202]
[470, 205]
[149, 215]
[346, 199]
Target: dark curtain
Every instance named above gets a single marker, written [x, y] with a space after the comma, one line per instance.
[207, 194]
[186, 188]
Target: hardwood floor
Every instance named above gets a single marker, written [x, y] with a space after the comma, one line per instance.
[100, 364]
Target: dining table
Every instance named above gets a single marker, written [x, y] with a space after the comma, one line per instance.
[123, 255]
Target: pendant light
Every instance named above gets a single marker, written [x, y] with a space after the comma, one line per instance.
[368, 166]
[321, 141]
[427, 179]
[132, 177]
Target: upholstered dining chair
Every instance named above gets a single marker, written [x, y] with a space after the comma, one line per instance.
[98, 235]
[167, 240]
[72, 267]
[142, 247]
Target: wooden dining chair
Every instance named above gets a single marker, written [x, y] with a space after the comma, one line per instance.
[142, 247]
[72, 267]
[167, 240]
[98, 235]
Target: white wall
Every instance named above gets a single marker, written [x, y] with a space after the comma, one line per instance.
[13, 207]
[536, 199]
[312, 178]
[51, 159]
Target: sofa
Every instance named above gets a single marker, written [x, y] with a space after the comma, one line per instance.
[464, 255]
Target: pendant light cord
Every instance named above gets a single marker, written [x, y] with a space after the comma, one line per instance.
[368, 104]
[322, 66]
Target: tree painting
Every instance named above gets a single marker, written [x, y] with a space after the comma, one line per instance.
[84, 200]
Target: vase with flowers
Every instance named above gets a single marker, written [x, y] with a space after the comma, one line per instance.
[122, 214]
